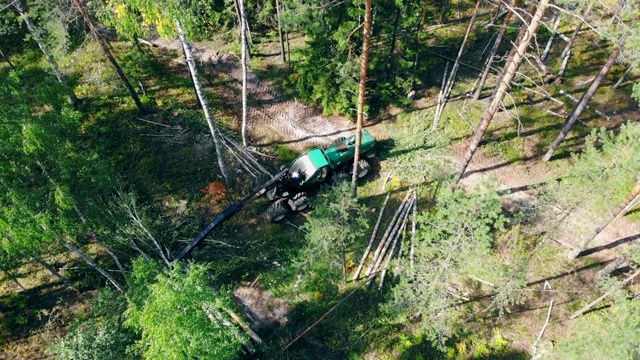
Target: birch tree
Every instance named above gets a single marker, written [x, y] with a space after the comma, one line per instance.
[35, 35]
[243, 36]
[128, 15]
[503, 86]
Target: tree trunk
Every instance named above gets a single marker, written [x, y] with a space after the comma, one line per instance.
[611, 267]
[424, 15]
[617, 213]
[456, 65]
[364, 65]
[571, 119]
[107, 52]
[445, 10]
[95, 238]
[501, 89]
[35, 33]
[598, 300]
[492, 55]
[6, 58]
[54, 272]
[243, 36]
[567, 48]
[622, 78]
[547, 48]
[92, 263]
[217, 141]
[280, 37]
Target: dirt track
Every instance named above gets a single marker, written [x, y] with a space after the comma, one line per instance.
[271, 118]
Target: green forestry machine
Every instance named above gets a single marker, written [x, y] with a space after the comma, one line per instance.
[286, 189]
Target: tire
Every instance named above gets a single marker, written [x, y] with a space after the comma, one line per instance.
[363, 168]
[277, 211]
[300, 201]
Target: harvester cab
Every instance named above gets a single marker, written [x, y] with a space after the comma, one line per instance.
[286, 189]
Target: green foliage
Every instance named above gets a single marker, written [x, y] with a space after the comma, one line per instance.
[338, 220]
[102, 336]
[419, 153]
[607, 170]
[613, 333]
[454, 239]
[329, 73]
[171, 316]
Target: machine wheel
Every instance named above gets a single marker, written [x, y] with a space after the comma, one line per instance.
[340, 176]
[277, 211]
[363, 168]
[300, 201]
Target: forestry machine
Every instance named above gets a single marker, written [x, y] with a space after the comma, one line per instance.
[287, 188]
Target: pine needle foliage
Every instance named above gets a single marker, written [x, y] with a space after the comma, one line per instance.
[455, 239]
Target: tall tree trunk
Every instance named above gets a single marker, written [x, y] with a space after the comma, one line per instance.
[582, 104]
[92, 263]
[423, 19]
[456, 65]
[217, 141]
[364, 65]
[107, 52]
[6, 58]
[35, 34]
[54, 272]
[280, 37]
[504, 84]
[243, 36]
[618, 212]
[492, 55]
[445, 10]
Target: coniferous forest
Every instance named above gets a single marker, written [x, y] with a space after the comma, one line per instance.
[319, 179]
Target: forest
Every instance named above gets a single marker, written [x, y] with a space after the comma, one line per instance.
[319, 179]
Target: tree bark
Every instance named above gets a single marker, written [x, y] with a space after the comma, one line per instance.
[372, 239]
[623, 77]
[556, 23]
[54, 272]
[618, 212]
[503, 85]
[217, 141]
[567, 48]
[92, 263]
[107, 52]
[280, 37]
[35, 33]
[364, 65]
[598, 300]
[492, 55]
[423, 19]
[611, 267]
[456, 65]
[243, 36]
[6, 58]
[582, 104]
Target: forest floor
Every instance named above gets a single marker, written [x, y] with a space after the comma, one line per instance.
[509, 160]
